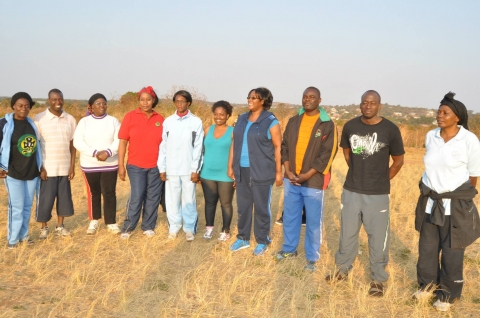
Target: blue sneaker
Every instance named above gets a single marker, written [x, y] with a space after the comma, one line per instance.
[239, 245]
[260, 249]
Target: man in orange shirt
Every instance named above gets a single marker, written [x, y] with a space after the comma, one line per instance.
[308, 148]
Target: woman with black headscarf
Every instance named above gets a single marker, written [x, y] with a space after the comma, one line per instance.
[96, 138]
[446, 216]
[20, 163]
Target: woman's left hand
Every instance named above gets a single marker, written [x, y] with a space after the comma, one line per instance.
[278, 179]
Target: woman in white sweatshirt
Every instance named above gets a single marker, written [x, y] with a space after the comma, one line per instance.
[96, 138]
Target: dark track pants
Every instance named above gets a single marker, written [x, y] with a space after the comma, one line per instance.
[447, 274]
[102, 184]
[253, 196]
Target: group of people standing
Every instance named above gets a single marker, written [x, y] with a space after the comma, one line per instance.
[37, 157]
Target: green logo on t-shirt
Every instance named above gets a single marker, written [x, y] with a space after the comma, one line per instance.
[27, 145]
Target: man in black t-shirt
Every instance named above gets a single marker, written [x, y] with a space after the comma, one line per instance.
[368, 142]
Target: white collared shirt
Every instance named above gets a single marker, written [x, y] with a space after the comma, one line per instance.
[448, 165]
[55, 134]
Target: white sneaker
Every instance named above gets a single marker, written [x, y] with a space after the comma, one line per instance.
[189, 235]
[172, 236]
[92, 227]
[43, 233]
[149, 233]
[61, 230]
[441, 306]
[113, 228]
[224, 237]
[208, 233]
[125, 235]
[422, 295]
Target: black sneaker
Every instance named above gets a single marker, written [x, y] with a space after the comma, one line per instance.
[311, 267]
[12, 246]
[376, 289]
[338, 276]
[27, 241]
[279, 221]
[283, 255]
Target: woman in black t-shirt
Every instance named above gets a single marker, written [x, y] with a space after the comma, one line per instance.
[20, 162]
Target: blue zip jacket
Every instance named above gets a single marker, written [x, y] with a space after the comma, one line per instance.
[260, 149]
[6, 131]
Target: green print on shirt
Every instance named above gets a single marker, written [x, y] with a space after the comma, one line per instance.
[358, 150]
[27, 145]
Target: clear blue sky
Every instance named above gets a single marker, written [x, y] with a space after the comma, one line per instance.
[411, 52]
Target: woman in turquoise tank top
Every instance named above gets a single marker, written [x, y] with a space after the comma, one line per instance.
[216, 183]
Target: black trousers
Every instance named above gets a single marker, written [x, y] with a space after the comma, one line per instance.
[98, 184]
[253, 197]
[445, 275]
[213, 191]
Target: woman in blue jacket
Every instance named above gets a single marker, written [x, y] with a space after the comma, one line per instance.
[255, 164]
[20, 163]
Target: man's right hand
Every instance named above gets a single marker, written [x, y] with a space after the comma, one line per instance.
[3, 174]
[43, 174]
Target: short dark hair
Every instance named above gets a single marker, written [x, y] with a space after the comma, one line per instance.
[315, 89]
[185, 94]
[371, 91]
[223, 104]
[56, 91]
[265, 95]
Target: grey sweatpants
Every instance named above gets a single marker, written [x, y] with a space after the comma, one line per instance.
[374, 212]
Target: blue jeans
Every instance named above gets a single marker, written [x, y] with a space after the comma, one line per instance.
[295, 197]
[20, 201]
[145, 191]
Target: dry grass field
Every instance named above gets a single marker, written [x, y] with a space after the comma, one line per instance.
[102, 276]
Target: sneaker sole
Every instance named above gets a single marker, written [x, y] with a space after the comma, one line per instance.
[280, 257]
[240, 248]
[261, 253]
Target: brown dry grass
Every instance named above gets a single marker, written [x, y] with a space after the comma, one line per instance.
[101, 276]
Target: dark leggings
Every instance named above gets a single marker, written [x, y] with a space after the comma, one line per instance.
[212, 191]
